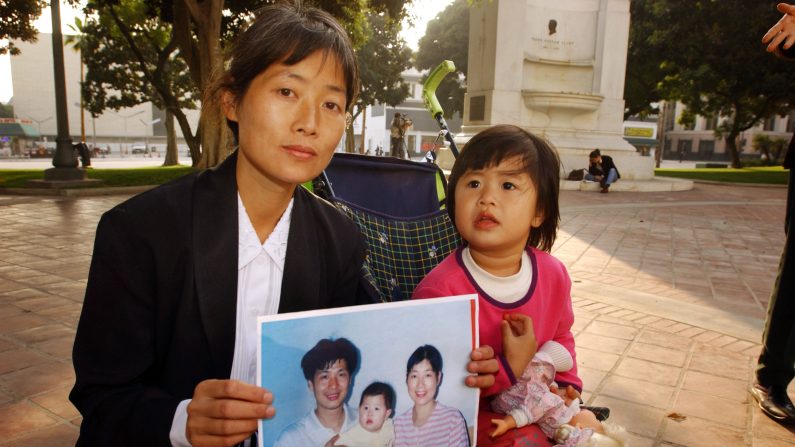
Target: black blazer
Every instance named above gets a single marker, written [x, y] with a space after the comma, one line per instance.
[160, 307]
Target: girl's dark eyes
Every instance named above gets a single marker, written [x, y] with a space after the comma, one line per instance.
[285, 92]
[508, 185]
[473, 183]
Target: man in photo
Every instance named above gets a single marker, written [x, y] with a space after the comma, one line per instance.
[328, 369]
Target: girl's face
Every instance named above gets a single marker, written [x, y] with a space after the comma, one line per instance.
[290, 120]
[373, 412]
[422, 383]
[496, 207]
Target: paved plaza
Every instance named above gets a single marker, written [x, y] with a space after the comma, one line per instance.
[669, 291]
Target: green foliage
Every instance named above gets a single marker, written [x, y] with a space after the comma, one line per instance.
[6, 111]
[771, 148]
[382, 59]
[166, 51]
[129, 58]
[709, 55]
[764, 175]
[447, 38]
[16, 22]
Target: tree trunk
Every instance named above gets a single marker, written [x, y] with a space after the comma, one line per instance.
[364, 128]
[350, 142]
[172, 151]
[213, 132]
[731, 146]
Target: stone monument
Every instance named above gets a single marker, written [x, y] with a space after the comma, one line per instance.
[555, 68]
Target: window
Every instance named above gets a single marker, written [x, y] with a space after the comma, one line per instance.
[770, 123]
[685, 146]
[710, 124]
[706, 148]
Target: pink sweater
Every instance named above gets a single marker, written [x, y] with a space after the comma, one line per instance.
[547, 302]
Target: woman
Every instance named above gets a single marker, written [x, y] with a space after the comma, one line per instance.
[428, 423]
[165, 351]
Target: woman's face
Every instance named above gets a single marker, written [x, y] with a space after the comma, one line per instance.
[422, 383]
[289, 121]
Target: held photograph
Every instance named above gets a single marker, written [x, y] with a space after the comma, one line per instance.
[377, 375]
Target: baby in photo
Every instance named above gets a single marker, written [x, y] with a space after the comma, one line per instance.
[375, 428]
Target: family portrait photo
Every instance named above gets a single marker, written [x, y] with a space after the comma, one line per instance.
[385, 374]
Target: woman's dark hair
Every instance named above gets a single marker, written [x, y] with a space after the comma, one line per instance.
[380, 389]
[595, 153]
[425, 352]
[286, 33]
[495, 144]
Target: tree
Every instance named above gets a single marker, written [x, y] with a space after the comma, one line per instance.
[447, 38]
[16, 22]
[643, 73]
[382, 59]
[129, 56]
[202, 29]
[6, 111]
[711, 59]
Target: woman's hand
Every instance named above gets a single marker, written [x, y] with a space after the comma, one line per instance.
[518, 341]
[782, 31]
[225, 412]
[484, 365]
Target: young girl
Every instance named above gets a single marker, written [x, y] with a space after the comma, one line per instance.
[165, 351]
[503, 199]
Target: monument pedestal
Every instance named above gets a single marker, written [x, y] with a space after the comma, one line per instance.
[556, 69]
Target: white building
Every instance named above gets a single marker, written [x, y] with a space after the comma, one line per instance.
[34, 99]
[698, 142]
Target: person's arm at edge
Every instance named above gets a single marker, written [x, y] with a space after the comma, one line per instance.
[781, 36]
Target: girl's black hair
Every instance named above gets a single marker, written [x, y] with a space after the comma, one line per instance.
[286, 33]
[495, 144]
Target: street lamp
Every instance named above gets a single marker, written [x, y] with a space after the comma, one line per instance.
[38, 122]
[126, 117]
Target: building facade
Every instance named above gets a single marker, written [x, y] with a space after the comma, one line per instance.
[34, 101]
[698, 142]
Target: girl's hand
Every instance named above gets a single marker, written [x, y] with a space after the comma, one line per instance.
[518, 341]
[484, 366]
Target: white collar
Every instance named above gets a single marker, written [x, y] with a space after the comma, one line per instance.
[249, 247]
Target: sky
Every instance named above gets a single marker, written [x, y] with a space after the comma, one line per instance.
[422, 12]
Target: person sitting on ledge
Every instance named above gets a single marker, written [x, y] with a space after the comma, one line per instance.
[602, 169]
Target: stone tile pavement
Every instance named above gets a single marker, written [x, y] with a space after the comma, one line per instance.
[669, 293]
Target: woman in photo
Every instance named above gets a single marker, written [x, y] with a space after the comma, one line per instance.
[428, 422]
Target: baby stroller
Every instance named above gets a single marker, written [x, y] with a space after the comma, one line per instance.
[399, 207]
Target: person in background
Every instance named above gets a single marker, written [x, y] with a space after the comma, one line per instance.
[776, 364]
[602, 169]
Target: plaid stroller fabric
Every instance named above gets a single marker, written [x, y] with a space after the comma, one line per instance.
[398, 206]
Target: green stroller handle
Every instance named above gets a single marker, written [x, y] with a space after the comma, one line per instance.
[432, 103]
[432, 83]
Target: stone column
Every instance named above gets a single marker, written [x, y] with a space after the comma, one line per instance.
[555, 68]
